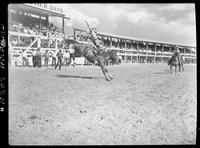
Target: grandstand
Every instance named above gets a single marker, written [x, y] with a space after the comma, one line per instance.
[29, 28]
[139, 50]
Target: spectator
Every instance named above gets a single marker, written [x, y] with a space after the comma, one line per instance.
[21, 43]
[120, 58]
[72, 54]
[30, 31]
[39, 58]
[46, 58]
[59, 62]
[66, 57]
[34, 58]
[25, 30]
[24, 58]
[34, 31]
[53, 58]
[14, 42]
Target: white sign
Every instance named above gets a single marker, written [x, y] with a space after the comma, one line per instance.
[45, 6]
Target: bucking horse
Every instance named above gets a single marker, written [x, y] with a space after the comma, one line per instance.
[86, 50]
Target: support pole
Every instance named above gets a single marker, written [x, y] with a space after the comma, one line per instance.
[47, 22]
[155, 54]
[56, 42]
[162, 53]
[33, 43]
[9, 18]
[137, 51]
[110, 42]
[63, 25]
[74, 34]
[118, 43]
[40, 25]
[184, 50]
[146, 52]
[39, 42]
[125, 52]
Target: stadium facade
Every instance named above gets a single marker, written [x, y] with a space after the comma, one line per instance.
[29, 28]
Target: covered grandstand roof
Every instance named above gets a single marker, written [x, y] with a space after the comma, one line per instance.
[136, 39]
[139, 39]
[37, 10]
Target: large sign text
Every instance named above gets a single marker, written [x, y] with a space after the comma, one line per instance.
[46, 7]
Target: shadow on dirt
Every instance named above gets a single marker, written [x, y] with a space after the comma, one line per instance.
[161, 73]
[82, 77]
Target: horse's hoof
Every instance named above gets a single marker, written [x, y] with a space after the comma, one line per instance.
[111, 78]
[108, 79]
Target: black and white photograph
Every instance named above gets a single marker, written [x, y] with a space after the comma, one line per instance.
[101, 74]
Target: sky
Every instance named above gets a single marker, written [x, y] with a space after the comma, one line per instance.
[172, 23]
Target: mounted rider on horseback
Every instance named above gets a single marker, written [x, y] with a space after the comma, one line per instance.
[175, 54]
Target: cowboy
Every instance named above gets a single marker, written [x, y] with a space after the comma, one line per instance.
[181, 62]
[60, 56]
[176, 52]
[39, 58]
[66, 57]
[53, 55]
[24, 58]
[95, 40]
[46, 58]
[120, 58]
[34, 58]
[71, 55]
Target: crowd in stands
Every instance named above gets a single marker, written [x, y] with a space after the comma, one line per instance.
[83, 38]
[26, 41]
[128, 44]
[34, 29]
[22, 41]
[52, 31]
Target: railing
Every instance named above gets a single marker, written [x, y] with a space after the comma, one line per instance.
[31, 35]
[147, 53]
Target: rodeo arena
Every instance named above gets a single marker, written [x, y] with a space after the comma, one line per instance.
[95, 88]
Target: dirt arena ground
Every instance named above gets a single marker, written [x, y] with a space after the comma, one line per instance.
[77, 106]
